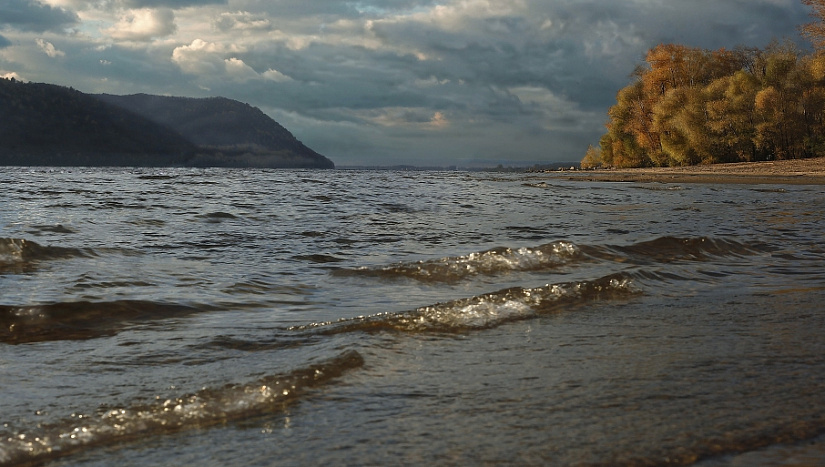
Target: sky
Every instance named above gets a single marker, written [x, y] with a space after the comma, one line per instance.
[385, 82]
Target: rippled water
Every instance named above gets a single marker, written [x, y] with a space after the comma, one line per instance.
[214, 317]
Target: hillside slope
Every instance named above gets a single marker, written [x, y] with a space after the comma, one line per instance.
[230, 128]
[44, 124]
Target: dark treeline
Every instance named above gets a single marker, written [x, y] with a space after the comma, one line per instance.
[689, 106]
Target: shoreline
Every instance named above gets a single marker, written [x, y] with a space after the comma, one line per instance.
[785, 172]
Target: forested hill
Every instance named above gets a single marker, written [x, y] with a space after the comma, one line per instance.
[44, 124]
[228, 127]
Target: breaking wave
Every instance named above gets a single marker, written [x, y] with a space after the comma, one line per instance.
[490, 262]
[86, 320]
[215, 406]
[555, 255]
[486, 311]
[205, 408]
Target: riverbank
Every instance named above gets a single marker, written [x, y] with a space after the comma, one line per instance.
[794, 172]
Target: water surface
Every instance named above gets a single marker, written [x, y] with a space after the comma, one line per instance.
[265, 317]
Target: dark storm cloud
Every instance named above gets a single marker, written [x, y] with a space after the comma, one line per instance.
[509, 56]
[586, 49]
[34, 16]
[4, 42]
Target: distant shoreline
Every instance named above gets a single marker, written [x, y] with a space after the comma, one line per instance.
[790, 172]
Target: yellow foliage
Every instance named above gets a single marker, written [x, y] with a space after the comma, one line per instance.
[768, 101]
[690, 106]
[592, 158]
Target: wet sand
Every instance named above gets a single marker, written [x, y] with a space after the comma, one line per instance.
[795, 172]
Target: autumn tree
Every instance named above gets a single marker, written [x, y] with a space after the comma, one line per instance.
[811, 77]
[660, 119]
[680, 120]
[694, 106]
[779, 108]
[592, 158]
[628, 125]
[732, 116]
[675, 66]
[815, 30]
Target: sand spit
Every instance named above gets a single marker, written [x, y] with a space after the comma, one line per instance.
[795, 172]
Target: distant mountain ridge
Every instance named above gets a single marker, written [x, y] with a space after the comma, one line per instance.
[45, 124]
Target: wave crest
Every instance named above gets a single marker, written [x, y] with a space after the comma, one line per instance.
[486, 311]
[489, 262]
[208, 407]
[554, 255]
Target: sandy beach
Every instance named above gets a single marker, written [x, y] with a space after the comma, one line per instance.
[796, 172]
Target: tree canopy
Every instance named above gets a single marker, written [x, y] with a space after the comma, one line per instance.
[815, 30]
[689, 106]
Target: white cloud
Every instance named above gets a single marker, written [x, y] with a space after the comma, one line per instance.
[213, 61]
[538, 96]
[10, 75]
[411, 118]
[439, 121]
[432, 81]
[202, 57]
[242, 20]
[454, 15]
[48, 48]
[275, 75]
[237, 70]
[550, 111]
[143, 25]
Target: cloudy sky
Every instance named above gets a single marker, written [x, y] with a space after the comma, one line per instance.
[425, 82]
